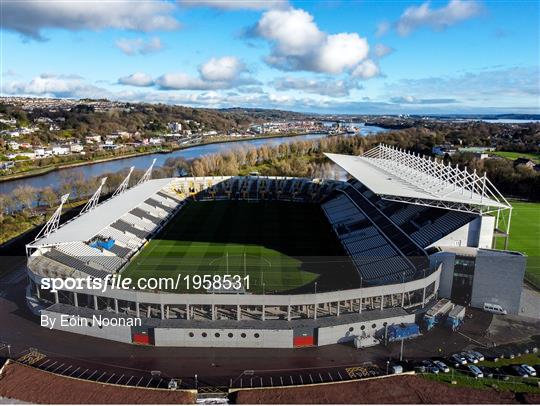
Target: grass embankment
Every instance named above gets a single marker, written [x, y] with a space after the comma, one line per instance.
[515, 155]
[525, 237]
[514, 384]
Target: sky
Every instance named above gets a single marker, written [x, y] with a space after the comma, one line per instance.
[327, 56]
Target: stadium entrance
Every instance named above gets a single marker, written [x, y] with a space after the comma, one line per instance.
[462, 283]
[304, 337]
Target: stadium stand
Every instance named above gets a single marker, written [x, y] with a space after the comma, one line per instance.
[74, 263]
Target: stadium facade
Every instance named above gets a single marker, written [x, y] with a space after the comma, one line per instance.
[407, 223]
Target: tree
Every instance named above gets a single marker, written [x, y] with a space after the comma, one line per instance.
[25, 196]
[49, 197]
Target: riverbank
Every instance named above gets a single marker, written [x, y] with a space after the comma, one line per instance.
[43, 171]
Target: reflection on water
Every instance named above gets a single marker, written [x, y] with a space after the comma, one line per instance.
[142, 162]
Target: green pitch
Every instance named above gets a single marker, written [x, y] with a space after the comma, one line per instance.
[281, 246]
[525, 237]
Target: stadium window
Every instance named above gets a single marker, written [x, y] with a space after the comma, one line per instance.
[351, 328]
[243, 335]
[230, 335]
[256, 335]
[217, 335]
[385, 324]
[204, 334]
[373, 325]
[362, 327]
[191, 334]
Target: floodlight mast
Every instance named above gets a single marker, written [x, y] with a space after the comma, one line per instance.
[148, 174]
[94, 200]
[124, 185]
[53, 223]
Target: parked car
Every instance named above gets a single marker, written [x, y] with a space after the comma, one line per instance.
[500, 374]
[475, 371]
[530, 370]
[487, 371]
[479, 356]
[442, 366]
[517, 370]
[507, 353]
[458, 360]
[430, 366]
[470, 358]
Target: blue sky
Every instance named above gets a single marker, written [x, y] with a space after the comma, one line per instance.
[451, 56]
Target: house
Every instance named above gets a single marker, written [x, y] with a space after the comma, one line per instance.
[90, 139]
[6, 165]
[13, 145]
[60, 150]
[175, 127]
[155, 141]
[442, 150]
[528, 163]
[75, 148]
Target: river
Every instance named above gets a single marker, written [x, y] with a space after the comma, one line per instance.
[54, 178]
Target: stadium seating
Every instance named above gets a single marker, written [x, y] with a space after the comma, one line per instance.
[74, 263]
[91, 256]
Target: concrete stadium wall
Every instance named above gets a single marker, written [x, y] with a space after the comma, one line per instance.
[114, 333]
[193, 337]
[498, 279]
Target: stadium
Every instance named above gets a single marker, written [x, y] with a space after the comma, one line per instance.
[279, 262]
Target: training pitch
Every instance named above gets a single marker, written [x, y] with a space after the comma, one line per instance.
[281, 246]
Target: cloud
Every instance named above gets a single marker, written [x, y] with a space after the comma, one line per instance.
[382, 28]
[519, 83]
[332, 88]
[414, 100]
[65, 86]
[137, 79]
[139, 45]
[30, 18]
[418, 16]
[226, 68]
[180, 80]
[9, 72]
[236, 4]
[299, 44]
[381, 50]
[366, 70]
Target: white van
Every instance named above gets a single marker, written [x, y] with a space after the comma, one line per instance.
[494, 308]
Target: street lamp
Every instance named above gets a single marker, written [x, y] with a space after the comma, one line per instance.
[387, 366]
[315, 287]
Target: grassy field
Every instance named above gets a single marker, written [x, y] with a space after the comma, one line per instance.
[525, 237]
[515, 155]
[281, 246]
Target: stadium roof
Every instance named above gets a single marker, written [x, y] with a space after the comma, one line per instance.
[396, 174]
[86, 226]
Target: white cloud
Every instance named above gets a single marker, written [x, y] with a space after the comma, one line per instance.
[56, 86]
[137, 79]
[366, 70]
[226, 68]
[332, 88]
[139, 45]
[454, 12]
[299, 44]
[294, 31]
[341, 52]
[182, 80]
[381, 50]
[236, 4]
[30, 18]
